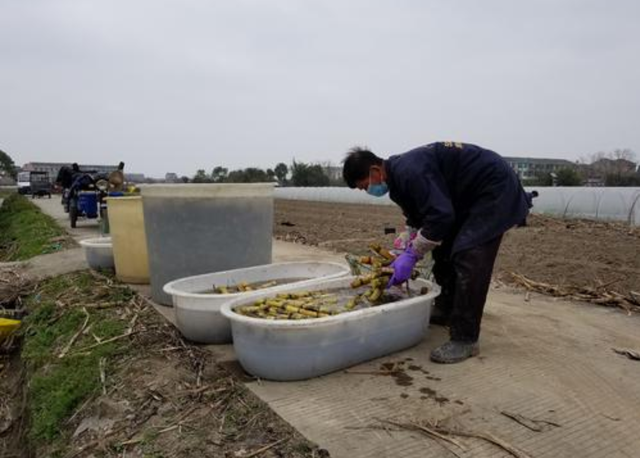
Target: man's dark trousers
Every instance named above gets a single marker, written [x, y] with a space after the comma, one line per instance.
[464, 278]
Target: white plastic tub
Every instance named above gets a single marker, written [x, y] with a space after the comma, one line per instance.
[98, 252]
[296, 350]
[198, 314]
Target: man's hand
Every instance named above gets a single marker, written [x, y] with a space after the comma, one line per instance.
[403, 266]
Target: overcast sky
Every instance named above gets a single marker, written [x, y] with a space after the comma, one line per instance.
[187, 84]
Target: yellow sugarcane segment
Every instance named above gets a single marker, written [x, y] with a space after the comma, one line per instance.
[377, 293]
[308, 313]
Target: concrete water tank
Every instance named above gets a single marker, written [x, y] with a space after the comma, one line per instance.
[202, 228]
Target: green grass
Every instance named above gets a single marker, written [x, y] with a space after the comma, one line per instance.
[4, 193]
[58, 386]
[25, 231]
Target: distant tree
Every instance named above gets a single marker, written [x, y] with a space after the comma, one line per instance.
[281, 170]
[219, 174]
[184, 179]
[625, 154]
[615, 179]
[568, 177]
[7, 166]
[617, 167]
[201, 177]
[308, 175]
[248, 175]
[271, 174]
[541, 179]
[334, 173]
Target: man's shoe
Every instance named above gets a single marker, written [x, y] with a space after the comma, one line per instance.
[454, 352]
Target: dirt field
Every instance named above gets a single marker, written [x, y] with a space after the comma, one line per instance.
[560, 252]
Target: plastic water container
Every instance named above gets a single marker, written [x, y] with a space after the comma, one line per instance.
[194, 229]
[88, 202]
[126, 221]
[98, 252]
[8, 327]
[198, 313]
[300, 349]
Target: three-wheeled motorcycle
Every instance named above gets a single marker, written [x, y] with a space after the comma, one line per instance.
[86, 196]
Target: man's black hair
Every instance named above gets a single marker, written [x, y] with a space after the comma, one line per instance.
[356, 165]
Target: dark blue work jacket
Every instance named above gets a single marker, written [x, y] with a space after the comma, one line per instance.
[457, 193]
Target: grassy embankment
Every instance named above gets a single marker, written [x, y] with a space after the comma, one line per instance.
[63, 361]
[25, 231]
[4, 193]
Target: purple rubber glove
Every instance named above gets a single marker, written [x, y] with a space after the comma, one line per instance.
[403, 266]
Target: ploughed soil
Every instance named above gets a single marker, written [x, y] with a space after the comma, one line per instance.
[563, 252]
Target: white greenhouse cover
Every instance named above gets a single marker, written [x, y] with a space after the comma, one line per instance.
[619, 204]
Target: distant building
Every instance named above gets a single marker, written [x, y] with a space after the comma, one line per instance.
[52, 168]
[171, 178]
[135, 177]
[529, 168]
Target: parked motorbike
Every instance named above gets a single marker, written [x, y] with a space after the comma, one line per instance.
[86, 197]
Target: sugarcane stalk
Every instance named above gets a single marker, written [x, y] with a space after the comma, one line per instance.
[268, 284]
[375, 295]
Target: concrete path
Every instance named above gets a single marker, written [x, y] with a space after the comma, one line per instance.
[543, 359]
[86, 228]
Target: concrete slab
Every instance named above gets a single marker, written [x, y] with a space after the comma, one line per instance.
[289, 252]
[54, 264]
[543, 359]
